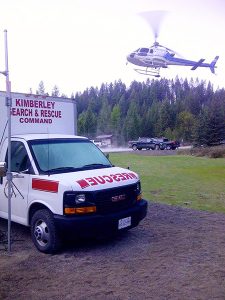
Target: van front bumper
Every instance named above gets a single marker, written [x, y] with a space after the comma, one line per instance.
[98, 225]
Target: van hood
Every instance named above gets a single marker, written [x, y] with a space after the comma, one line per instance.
[90, 180]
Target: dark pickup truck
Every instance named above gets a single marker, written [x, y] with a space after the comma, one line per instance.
[168, 145]
[142, 143]
[153, 144]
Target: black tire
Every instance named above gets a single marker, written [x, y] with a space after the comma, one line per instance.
[134, 147]
[43, 232]
[162, 147]
[168, 147]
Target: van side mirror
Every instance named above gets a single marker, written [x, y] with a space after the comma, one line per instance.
[3, 169]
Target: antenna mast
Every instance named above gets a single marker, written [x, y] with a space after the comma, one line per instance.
[8, 103]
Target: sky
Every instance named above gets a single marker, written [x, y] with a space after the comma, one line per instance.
[77, 44]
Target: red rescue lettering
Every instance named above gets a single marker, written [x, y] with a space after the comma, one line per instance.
[91, 180]
[121, 176]
[99, 179]
[86, 182]
[114, 177]
[51, 113]
[107, 178]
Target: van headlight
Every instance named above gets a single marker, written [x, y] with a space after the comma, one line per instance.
[80, 198]
[78, 203]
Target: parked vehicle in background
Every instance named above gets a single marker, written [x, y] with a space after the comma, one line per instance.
[166, 144]
[143, 143]
[153, 144]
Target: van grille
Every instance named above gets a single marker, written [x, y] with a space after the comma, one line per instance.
[116, 199]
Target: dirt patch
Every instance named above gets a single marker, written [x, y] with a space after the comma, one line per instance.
[175, 253]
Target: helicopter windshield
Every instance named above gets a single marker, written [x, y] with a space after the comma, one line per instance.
[144, 50]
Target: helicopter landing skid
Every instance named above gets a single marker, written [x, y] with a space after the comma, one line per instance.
[151, 72]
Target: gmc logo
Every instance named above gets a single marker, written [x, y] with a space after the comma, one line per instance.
[118, 198]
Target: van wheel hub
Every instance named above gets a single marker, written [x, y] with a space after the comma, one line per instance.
[41, 233]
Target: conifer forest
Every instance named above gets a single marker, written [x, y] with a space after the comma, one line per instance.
[190, 111]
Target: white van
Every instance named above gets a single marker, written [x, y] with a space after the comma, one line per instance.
[62, 183]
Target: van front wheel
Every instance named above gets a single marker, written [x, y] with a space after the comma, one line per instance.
[44, 233]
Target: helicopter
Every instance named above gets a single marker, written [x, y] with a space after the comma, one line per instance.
[152, 59]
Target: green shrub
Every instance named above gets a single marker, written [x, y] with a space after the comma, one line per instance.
[211, 152]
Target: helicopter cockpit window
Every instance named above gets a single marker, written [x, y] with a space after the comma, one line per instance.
[151, 51]
[144, 50]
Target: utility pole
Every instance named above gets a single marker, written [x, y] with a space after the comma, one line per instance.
[8, 103]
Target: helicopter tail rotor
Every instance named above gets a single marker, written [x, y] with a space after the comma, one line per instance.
[213, 64]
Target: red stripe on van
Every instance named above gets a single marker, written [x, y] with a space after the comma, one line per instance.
[45, 185]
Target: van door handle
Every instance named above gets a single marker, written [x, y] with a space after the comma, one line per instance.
[18, 176]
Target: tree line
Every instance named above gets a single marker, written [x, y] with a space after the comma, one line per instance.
[189, 111]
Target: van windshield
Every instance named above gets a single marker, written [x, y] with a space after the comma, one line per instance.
[67, 155]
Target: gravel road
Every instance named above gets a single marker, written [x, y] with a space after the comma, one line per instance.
[175, 253]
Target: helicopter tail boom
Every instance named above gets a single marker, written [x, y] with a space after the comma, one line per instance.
[212, 65]
[198, 64]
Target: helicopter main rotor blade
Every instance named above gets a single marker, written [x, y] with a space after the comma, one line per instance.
[171, 50]
[167, 48]
[154, 20]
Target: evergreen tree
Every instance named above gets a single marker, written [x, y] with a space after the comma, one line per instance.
[154, 118]
[200, 132]
[132, 123]
[116, 123]
[81, 124]
[216, 124]
[186, 126]
[147, 124]
[41, 89]
[104, 119]
[90, 124]
[116, 119]
[166, 117]
[55, 91]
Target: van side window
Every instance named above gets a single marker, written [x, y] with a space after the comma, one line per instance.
[20, 160]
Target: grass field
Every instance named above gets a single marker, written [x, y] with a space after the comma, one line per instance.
[195, 182]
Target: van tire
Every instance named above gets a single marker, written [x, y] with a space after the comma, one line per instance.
[43, 232]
